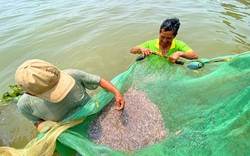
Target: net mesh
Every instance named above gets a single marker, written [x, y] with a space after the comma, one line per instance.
[206, 111]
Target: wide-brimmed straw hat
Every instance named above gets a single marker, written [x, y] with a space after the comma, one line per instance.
[44, 80]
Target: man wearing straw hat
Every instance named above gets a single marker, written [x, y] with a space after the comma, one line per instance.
[52, 94]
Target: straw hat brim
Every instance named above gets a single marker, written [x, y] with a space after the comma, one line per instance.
[60, 90]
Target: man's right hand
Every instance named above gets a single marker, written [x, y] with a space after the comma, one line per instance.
[145, 51]
[140, 50]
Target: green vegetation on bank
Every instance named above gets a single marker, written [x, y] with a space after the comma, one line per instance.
[12, 95]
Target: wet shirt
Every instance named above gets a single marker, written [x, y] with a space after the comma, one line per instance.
[176, 45]
[35, 108]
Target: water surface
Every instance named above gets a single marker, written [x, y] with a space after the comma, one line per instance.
[96, 36]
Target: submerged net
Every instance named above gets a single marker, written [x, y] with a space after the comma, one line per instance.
[206, 111]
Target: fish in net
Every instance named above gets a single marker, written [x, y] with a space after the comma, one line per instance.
[140, 125]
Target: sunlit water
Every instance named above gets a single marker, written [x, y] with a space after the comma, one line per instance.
[96, 36]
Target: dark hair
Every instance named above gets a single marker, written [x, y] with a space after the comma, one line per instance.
[170, 24]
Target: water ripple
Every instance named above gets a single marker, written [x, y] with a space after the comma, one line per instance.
[96, 36]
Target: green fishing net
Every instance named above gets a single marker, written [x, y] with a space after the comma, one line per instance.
[206, 110]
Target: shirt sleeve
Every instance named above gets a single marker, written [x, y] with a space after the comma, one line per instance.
[143, 45]
[153, 45]
[183, 46]
[26, 109]
[88, 80]
[147, 44]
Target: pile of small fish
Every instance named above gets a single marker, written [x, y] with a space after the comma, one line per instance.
[139, 126]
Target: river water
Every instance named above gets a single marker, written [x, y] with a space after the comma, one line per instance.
[96, 36]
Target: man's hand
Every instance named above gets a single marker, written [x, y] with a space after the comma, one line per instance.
[174, 57]
[145, 51]
[120, 102]
[140, 50]
[188, 55]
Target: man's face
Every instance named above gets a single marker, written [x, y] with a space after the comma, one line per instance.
[166, 37]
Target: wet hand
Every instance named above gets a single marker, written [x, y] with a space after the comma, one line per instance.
[145, 52]
[174, 57]
[120, 102]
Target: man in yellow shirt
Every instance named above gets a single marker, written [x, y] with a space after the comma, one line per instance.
[166, 44]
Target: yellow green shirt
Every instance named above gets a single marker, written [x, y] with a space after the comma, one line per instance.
[176, 45]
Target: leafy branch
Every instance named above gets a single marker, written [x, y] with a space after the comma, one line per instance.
[14, 94]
